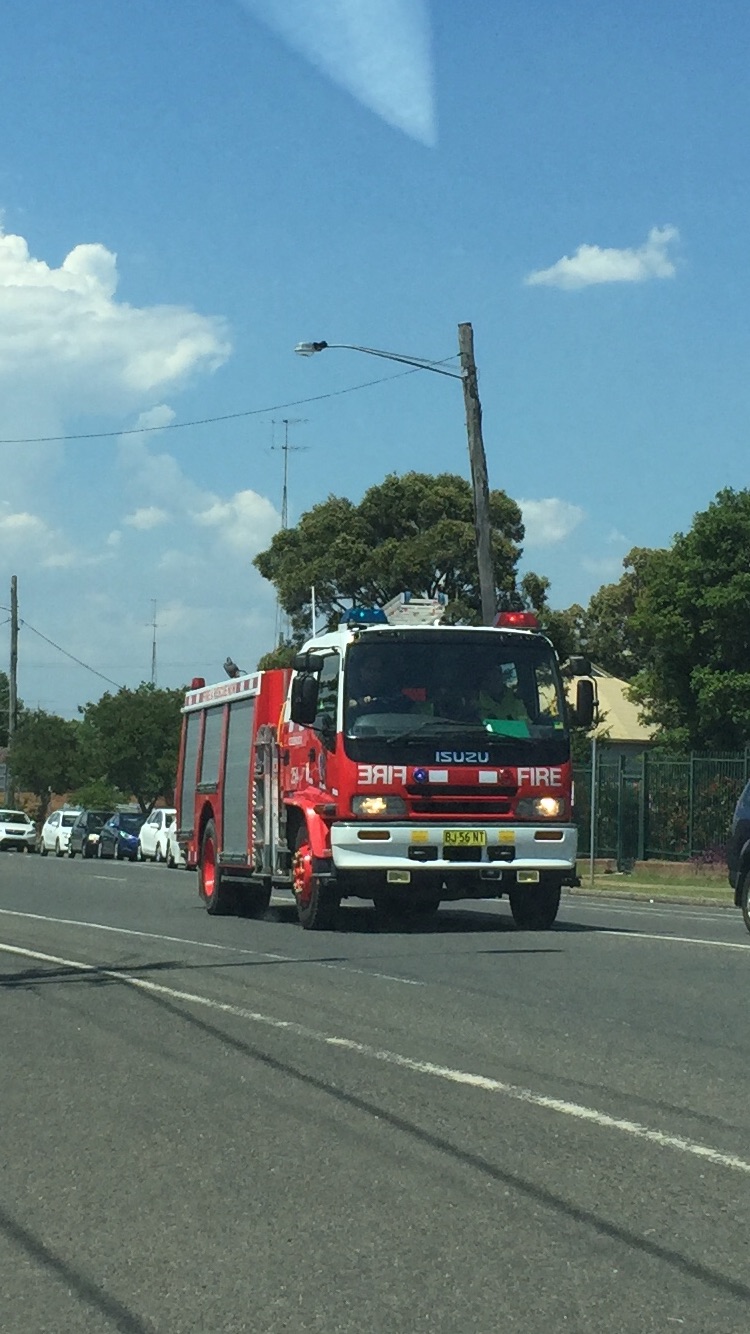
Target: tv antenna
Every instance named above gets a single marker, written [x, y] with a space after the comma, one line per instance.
[286, 422]
[282, 621]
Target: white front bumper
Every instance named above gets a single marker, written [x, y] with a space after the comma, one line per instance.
[351, 852]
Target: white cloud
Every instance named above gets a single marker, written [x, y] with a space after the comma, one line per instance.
[150, 516]
[591, 264]
[378, 50]
[93, 351]
[245, 523]
[549, 521]
[26, 538]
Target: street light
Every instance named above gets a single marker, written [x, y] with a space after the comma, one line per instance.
[477, 458]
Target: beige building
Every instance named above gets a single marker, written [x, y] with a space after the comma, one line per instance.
[619, 725]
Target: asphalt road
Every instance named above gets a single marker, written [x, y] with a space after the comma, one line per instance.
[227, 1125]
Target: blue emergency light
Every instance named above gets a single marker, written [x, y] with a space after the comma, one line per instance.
[364, 616]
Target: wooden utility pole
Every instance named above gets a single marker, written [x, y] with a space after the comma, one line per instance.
[10, 795]
[479, 482]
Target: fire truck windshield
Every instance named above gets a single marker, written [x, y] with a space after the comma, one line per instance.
[416, 685]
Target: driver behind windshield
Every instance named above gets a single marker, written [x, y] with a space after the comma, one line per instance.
[371, 682]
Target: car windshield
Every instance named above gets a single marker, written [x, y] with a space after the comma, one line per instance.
[130, 824]
[69, 818]
[95, 819]
[14, 817]
[479, 684]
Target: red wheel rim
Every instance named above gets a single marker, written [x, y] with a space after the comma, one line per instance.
[209, 868]
[303, 874]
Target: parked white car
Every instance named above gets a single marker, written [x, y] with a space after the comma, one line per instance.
[17, 831]
[154, 834]
[55, 835]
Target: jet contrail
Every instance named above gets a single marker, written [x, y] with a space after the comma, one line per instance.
[379, 50]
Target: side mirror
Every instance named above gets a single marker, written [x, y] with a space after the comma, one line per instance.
[304, 700]
[585, 707]
[309, 662]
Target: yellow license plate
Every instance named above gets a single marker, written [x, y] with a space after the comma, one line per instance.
[464, 838]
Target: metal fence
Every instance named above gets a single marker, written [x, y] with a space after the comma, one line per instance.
[666, 808]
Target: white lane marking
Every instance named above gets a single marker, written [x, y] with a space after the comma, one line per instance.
[444, 1072]
[640, 909]
[116, 879]
[677, 940]
[207, 945]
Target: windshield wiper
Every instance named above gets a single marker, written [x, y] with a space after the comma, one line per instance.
[441, 725]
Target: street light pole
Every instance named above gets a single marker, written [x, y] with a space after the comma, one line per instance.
[477, 456]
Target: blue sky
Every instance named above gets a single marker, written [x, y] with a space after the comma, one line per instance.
[187, 190]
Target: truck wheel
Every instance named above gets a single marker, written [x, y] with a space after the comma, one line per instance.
[215, 890]
[535, 909]
[317, 905]
[745, 900]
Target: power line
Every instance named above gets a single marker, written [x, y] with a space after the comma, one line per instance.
[209, 421]
[64, 651]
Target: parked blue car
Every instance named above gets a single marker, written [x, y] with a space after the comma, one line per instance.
[119, 836]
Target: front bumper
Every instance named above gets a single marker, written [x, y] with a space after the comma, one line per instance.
[384, 847]
[26, 842]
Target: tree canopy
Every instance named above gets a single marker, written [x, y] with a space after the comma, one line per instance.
[691, 623]
[412, 532]
[131, 740]
[44, 756]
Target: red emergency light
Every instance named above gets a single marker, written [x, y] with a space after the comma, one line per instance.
[517, 620]
[197, 683]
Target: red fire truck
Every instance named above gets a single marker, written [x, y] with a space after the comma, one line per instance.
[402, 764]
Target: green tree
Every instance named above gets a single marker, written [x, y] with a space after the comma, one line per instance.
[97, 794]
[282, 656]
[131, 740]
[609, 633]
[563, 628]
[45, 755]
[5, 708]
[413, 532]
[692, 625]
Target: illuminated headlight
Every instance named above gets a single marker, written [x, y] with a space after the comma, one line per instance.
[374, 808]
[541, 808]
[93, 838]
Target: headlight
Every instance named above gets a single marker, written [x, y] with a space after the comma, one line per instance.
[92, 838]
[374, 808]
[541, 808]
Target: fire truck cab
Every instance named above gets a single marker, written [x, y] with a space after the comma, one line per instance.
[402, 764]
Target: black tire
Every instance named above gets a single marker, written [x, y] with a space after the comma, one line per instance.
[71, 852]
[43, 851]
[317, 904]
[535, 908]
[216, 890]
[58, 850]
[745, 900]
[158, 855]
